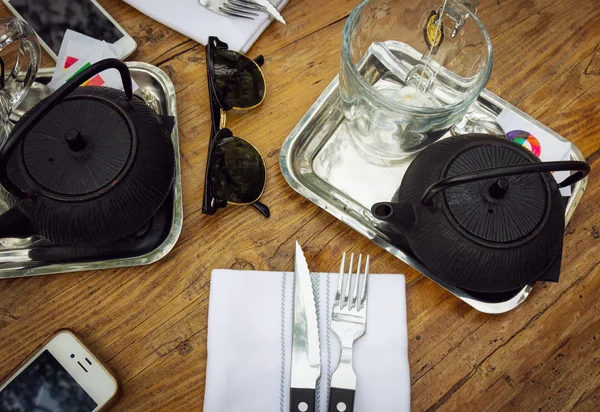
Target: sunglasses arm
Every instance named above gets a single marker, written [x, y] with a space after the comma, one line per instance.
[262, 208]
[259, 60]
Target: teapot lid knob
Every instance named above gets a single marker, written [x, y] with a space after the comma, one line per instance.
[499, 188]
[75, 140]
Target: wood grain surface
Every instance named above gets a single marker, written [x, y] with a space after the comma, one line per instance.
[149, 323]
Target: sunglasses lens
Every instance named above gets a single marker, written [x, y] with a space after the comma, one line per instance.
[237, 171]
[239, 81]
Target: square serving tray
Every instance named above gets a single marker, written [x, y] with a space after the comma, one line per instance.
[320, 161]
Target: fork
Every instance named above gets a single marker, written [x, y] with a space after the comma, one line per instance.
[348, 322]
[246, 9]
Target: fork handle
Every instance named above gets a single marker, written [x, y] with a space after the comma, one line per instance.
[341, 400]
[302, 400]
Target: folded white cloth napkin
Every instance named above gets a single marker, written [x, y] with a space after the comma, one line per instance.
[190, 18]
[250, 338]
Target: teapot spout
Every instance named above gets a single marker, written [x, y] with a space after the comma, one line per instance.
[15, 223]
[401, 216]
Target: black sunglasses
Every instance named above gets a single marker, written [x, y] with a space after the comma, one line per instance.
[235, 170]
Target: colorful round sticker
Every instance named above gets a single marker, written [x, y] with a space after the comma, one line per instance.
[527, 140]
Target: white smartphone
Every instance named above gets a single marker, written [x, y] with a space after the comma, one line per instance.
[51, 18]
[63, 376]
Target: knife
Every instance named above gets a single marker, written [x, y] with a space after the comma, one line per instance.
[270, 10]
[306, 355]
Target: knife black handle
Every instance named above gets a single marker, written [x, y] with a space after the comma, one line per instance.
[341, 400]
[302, 400]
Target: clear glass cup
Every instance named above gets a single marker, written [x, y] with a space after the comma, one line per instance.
[407, 76]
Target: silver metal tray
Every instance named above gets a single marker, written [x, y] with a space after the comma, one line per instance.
[322, 163]
[158, 92]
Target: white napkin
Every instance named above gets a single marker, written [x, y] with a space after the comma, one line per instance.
[250, 338]
[190, 18]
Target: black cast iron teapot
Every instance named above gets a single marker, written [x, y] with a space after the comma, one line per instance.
[482, 213]
[86, 166]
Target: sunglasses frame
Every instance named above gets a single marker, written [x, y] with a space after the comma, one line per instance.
[218, 109]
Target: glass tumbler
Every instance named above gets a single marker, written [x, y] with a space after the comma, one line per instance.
[409, 72]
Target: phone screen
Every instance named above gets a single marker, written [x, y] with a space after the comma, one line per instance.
[51, 18]
[45, 386]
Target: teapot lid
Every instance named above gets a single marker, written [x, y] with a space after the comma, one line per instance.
[506, 210]
[80, 149]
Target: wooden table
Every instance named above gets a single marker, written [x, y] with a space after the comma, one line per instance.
[149, 323]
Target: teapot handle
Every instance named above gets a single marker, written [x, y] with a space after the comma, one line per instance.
[25, 125]
[582, 170]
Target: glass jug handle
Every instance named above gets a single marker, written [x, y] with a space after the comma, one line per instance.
[18, 80]
[472, 5]
[458, 11]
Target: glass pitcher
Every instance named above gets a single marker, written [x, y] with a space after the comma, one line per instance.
[19, 63]
[409, 72]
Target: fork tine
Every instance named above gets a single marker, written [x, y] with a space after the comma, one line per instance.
[235, 14]
[240, 10]
[346, 296]
[365, 282]
[338, 293]
[355, 297]
[246, 5]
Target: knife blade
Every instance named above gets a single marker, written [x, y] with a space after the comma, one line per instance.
[270, 10]
[306, 355]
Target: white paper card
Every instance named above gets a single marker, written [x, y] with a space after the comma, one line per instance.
[79, 45]
[539, 141]
[78, 51]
